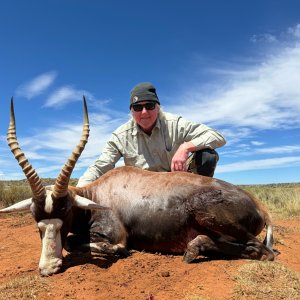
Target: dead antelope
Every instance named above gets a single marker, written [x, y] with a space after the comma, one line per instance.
[130, 208]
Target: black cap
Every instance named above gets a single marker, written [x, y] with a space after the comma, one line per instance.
[144, 91]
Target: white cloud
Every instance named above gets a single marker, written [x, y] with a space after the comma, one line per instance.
[263, 96]
[49, 149]
[65, 95]
[254, 148]
[257, 143]
[12, 176]
[1, 166]
[270, 163]
[266, 37]
[295, 31]
[234, 135]
[37, 85]
[280, 149]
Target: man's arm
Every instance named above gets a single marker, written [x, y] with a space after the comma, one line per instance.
[106, 161]
[196, 137]
[181, 155]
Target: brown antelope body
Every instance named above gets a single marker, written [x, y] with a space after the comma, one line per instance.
[130, 208]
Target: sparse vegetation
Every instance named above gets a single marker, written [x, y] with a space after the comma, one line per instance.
[21, 288]
[266, 280]
[13, 191]
[283, 200]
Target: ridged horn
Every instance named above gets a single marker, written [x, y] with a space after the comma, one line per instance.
[61, 184]
[35, 182]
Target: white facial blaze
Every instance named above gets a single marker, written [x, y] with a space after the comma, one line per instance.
[48, 203]
[51, 256]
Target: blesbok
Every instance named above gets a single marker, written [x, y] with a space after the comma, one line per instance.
[130, 208]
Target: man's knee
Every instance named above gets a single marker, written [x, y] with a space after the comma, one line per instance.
[206, 162]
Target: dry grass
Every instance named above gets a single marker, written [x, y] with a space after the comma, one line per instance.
[283, 201]
[12, 191]
[21, 288]
[266, 280]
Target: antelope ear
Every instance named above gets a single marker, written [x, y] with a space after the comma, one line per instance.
[87, 203]
[23, 205]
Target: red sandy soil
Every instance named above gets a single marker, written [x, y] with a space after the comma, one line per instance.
[140, 276]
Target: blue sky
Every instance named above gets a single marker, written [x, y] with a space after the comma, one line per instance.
[233, 65]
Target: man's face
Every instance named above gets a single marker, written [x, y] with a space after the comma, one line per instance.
[145, 118]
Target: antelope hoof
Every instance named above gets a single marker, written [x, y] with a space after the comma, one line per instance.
[189, 256]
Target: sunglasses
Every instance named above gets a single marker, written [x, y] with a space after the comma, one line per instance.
[148, 106]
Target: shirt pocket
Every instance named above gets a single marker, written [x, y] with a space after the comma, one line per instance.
[170, 152]
[135, 160]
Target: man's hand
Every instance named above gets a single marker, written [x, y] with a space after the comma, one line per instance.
[180, 157]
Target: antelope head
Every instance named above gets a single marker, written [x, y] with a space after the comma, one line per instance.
[51, 207]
